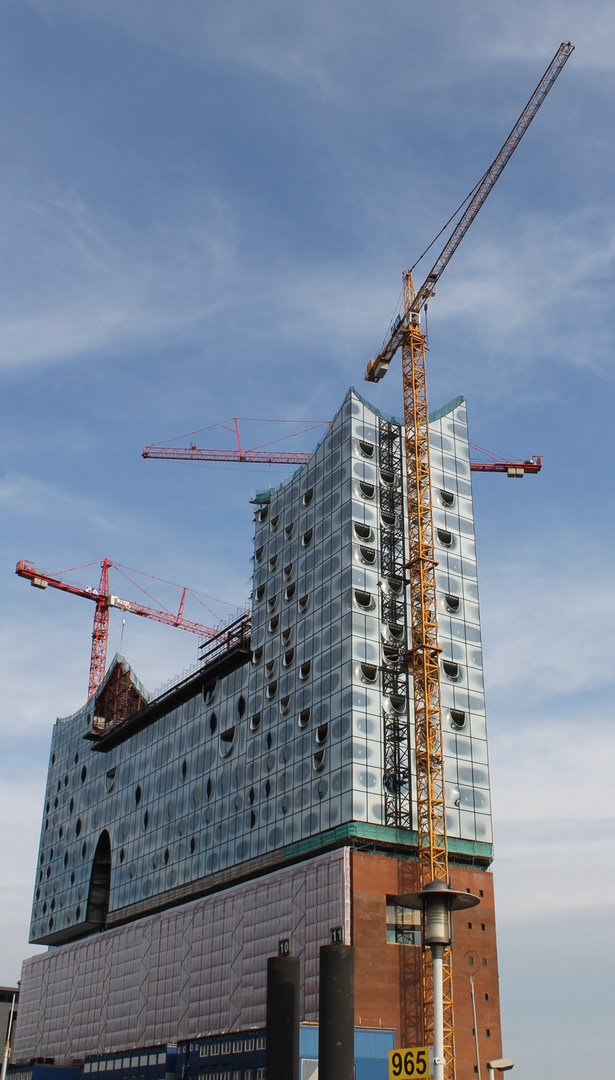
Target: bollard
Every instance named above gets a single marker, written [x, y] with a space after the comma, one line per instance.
[336, 1013]
[282, 1048]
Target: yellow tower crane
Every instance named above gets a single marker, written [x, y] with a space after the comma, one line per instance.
[423, 657]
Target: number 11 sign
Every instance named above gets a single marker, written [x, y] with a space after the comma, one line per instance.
[409, 1064]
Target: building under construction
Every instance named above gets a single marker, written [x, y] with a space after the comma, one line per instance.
[271, 797]
[327, 757]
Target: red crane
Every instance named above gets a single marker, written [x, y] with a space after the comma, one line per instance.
[105, 600]
[258, 455]
[513, 469]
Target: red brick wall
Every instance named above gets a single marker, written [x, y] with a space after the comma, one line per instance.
[387, 977]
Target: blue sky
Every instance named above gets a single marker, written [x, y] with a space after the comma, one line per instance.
[205, 211]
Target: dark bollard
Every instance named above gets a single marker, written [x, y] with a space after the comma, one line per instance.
[336, 1013]
[282, 1050]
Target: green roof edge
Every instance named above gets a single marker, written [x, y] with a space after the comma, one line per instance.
[385, 834]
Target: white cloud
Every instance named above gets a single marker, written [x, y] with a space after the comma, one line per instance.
[20, 810]
[557, 636]
[77, 281]
[30, 497]
[515, 293]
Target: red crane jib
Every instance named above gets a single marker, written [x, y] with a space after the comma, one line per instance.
[193, 453]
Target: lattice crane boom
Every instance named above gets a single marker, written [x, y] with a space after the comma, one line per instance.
[531, 466]
[377, 367]
[424, 651]
[105, 600]
[257, 457]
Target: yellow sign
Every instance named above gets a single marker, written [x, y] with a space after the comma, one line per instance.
[409, 1064]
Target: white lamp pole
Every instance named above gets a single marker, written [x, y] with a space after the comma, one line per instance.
[7, 1048]
[437, 901]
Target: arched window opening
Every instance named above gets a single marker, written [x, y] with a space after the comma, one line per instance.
[100, 884]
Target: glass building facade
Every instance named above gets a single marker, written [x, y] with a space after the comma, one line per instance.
[241, 765]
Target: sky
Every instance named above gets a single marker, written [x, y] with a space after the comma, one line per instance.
[205, 212]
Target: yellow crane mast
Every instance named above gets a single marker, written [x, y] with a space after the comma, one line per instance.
[423, 657]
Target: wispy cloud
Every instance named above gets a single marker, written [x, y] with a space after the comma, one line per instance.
[514, 293]
[77, 281]
[544, 633]
[20, 806]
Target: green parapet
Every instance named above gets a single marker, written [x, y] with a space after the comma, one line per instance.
[381, 834]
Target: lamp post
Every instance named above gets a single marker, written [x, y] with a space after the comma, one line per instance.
[499, 1065]
[436, 900]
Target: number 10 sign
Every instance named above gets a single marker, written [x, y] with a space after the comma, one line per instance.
[409, 1064]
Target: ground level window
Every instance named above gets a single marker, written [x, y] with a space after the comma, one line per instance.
[403, 924]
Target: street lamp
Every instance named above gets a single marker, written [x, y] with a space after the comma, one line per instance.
[499, 1065]
[436, 900]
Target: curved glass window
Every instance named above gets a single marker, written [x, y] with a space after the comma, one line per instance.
[290, 591]
[369, 672]
[272, 603]
[387, 476]
[273, 562]
[269, 668]
[273, 524]
[273, 624]
[398, 702]
[367, 490]
[445, 537]
[321, 733]
[319, 760]
[287, 635]
[289, 530]
[257, 656]
[391, 654]
[307, 498]
[447, 498]
[258, 554]
[396, 585]
[305, 669]
[255, 721]
[285, 705]
[452, 602]
[388, 518]
[304, 718]
[450, 668]
[227, 741]
[262, 513]
[363, 599]
[307, 538]
[271, 690]
[363, 532]
[366, 448]
[287, 572]
[303, 603]
[209, 691]
[368, 555]
[458, 718]
[288, 657]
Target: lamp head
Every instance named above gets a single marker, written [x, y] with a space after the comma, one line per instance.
[437, 901]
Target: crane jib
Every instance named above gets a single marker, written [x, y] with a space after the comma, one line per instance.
[377, 368]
